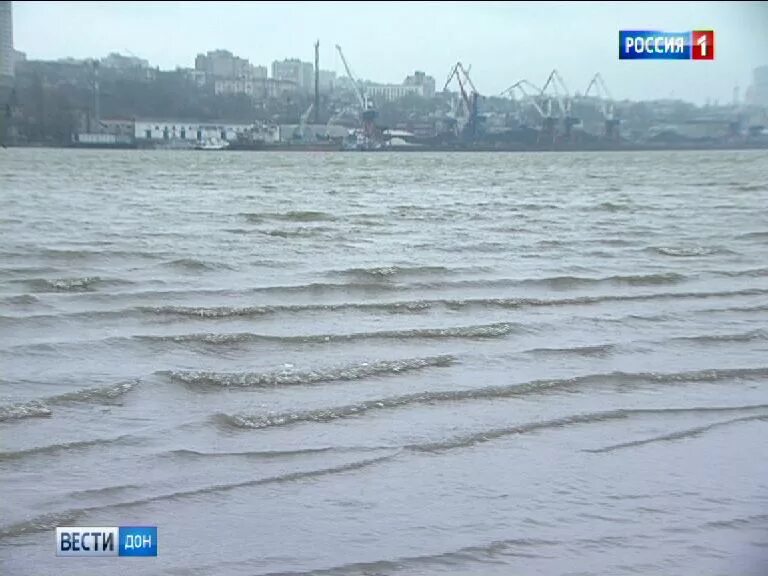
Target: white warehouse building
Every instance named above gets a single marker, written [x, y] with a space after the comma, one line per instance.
[392, 92]
[159, 130]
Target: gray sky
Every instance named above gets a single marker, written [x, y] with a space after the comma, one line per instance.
[385, 41]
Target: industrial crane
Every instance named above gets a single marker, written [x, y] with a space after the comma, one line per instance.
[560, 89]
[368, 113]
[563, 99]
[606, 105]
[548, 121]
[303, 122]
[520, 86]
[461, 74]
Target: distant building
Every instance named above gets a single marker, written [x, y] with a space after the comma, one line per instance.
[195, 76]
[421, 79]
[757, 94]
[69, 61]
[7, 56]
[391, 92]
[19, 56]
[56, 73]
[419, 84]
[327, 81]
[115, 60]
[156, 131]
[222, 64]
[258, 72]
[258, 88]
[296, 71]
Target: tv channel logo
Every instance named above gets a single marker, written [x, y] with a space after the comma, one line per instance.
[101, 541]
[655, 45]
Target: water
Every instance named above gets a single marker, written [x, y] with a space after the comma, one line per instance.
[386, 364]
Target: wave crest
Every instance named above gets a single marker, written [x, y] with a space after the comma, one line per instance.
[196, 265]
[33, 409]
[497, 330]
[84, 284]
[290, 377]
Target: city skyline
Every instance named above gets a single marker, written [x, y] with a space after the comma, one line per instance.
[385, 43]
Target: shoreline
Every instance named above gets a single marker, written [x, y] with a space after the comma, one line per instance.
[633, 147]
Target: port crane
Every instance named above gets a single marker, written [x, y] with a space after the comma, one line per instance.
[606, 105]
[469, 99]
[302, 133]
[530, 94]
[367, 110]
[520, 86]
[562, 97]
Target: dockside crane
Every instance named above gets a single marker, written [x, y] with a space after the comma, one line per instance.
[563, 98]
[611, 123]
[523, 86]
[302, 133]
[468, 98]
[530, 94]
[367, 110]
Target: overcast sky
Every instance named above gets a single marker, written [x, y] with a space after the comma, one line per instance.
[385, 41]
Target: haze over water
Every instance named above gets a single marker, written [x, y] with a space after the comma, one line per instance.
[386, 363]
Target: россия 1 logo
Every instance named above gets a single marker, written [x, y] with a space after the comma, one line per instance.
[654, 45]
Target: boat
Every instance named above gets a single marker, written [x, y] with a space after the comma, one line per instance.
[212, 143]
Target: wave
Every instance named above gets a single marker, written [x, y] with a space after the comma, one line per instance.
[279, 479]
[757, 308]
[613, 207]
[289, 377]
[33, 409]
[716, 338]
[590, 418]
[680, 435]
[564, 282]
[296, 232]
[596, 351]
[743, 522]
[453, 559]
[753, 236]
[96, 395]
[196, 265]
[292, 216]
[246, 311]
[30, 270]
[214, 312]
[22, 299]
[497, 330]
[49, 521]
[410, 306]
[84, 284]
[64, 446]
[752, 273]
[106, 491]
[682, 252]
[487, 393]
[65, 254]
[43, 523]
[316, 287]
[392, 272]
[558, 282]
[41, 408]
[269, 454]
[69, 254]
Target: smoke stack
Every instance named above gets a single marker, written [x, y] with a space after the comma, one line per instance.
[317, 82]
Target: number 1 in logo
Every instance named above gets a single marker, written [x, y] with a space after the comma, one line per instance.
[703, 47]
